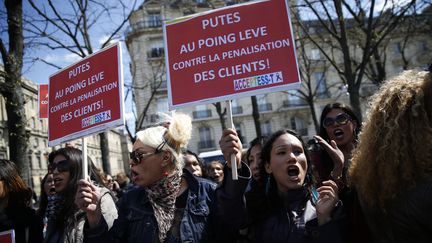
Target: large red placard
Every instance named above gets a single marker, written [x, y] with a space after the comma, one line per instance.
[229, 53]
[86, 97]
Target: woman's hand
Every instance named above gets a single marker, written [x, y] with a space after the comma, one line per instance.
[231, 144]
[87, 199]
[328, 197]
[335, 154]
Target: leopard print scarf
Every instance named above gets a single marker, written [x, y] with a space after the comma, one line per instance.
[162, 196]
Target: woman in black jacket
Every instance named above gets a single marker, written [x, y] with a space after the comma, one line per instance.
[15, 210]
[287, 207]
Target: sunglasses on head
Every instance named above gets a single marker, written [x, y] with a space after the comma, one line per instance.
[62, 166]
[340, 119]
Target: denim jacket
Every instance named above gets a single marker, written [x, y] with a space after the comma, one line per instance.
[136, 221]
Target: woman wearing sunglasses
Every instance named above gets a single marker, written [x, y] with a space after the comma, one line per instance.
[339, 127]
[337, 139]
[66, 220]
[169, 204]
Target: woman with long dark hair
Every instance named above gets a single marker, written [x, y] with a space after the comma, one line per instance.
[288, 208]
[15, 206]
[339, 128]
[66, 224]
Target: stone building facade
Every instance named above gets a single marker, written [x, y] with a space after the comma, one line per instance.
[144, 40]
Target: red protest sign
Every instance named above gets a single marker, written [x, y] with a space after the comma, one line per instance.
[43, 100]
[7, 236]
[86, 97]
[229, 53]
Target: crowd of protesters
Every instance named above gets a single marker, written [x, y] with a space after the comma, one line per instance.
[353, 182]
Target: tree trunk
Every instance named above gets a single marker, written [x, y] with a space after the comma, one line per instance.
[221, 114]
[355, 102]
[12, 91]
[105, 152]
[256, 116]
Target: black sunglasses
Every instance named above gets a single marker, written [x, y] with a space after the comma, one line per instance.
[340, 119]
[137, 157]
[62, 166]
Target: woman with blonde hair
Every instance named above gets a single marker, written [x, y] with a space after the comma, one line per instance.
[169, 204]
[392, 165]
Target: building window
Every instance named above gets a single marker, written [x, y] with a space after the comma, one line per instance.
[157, 50]
[235, 108]
[202, 3]
[239, 130]
[201, 111]
[39, 161]
[41, 124]
[293, 99]
[206, 140]
[315, 54]
[33, 122]
[266, 128]
[299, 125]
[154, 20]
[322, 91]
[30, 161]
[262, 103]
[162, 105]
[398, 47]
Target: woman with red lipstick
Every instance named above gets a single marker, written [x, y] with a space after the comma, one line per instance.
[169, 204]
[66, 220]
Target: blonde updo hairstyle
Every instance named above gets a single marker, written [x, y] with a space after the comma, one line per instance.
[172, 136]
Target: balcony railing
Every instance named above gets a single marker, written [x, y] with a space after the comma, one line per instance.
[159, 85]
[237, 110]
[294, 103]
[265, 107]
[144, 24]
[206, 144]
[202, 114]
